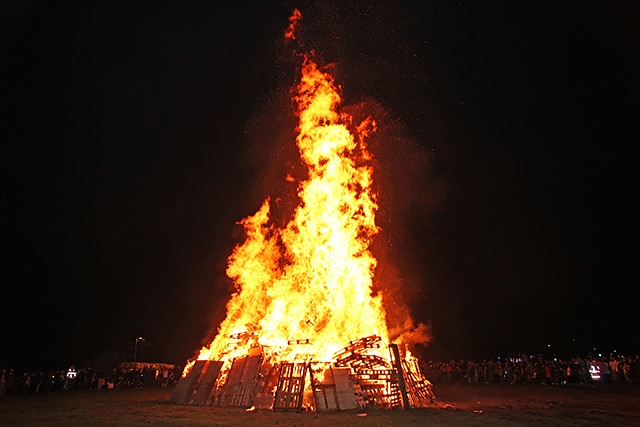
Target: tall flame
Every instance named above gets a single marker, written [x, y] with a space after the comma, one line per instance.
[311, 280]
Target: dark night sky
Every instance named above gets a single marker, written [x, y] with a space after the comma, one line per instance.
[131, 145]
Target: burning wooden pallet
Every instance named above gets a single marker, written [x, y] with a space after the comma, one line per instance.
[359, 377]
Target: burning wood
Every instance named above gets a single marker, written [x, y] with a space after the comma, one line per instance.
[345, 383]
[356, 354]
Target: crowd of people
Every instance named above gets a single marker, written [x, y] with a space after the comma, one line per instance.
[522, 369]
[12, 382]
[537, 370]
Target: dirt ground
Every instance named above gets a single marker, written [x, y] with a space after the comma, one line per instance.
[468, 405]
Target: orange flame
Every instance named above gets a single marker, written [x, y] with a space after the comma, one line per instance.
[293, 23]
[311, 280]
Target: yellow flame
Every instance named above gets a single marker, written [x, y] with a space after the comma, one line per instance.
[311, 279]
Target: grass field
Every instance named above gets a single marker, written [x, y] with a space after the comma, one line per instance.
[458, 405]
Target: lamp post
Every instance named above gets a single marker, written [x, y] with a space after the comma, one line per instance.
[135, 349]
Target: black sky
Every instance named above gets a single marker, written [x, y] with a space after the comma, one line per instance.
[131, 144]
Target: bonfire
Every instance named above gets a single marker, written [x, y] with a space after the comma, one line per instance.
[305, 329]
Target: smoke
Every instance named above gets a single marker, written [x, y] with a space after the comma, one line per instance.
[411, 333]
[409, 195]
[272, 152]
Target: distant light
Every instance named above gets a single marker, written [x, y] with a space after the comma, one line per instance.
[71, 373]
[594, 371]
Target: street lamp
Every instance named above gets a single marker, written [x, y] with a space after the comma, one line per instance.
[135, 348]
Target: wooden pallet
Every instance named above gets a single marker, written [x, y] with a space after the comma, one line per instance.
[290, 390]
[196, 388]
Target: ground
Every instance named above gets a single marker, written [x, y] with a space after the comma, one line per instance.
[469, 405]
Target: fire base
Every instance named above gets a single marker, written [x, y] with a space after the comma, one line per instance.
[355, 379]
